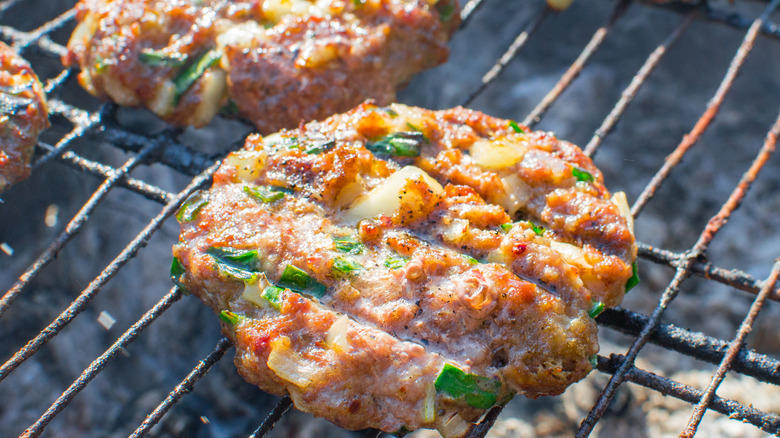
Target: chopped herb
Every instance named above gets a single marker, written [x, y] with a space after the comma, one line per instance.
[582, 175]
[594, 361]
[348, 244]
[192, 206]
[177, 270]
[194, 71]
[320, 148]
[596, 309]
[396, 262]
[399, 144]
[391, 113]
[297, 280]
[477, 391]
[445, 11]
[537, 229]
[229, 317]
[343, 265]
[634, 280]
[241, 264]
[507, 226]
[273, 295]
[159, 58]
[471, 260]
[358, 3]
[264, 194]
[515, 127]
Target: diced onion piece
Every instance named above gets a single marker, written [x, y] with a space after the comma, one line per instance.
[241, 35]
[386, 197]
[518, 193]
[452, 427]
[350, 192]
[118, 92]
[456, 231]
[246, 163]
[495, 154]
[289, 365]
[164, 96]
[429, 405]
[571, 254]
[337, 334]
[316, 55]
[252, 293]
[213, 92]
[620, 201]
[559, 5]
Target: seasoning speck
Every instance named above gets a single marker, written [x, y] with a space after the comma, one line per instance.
[106, 320]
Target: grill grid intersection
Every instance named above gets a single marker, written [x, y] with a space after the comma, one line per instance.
[166, 149]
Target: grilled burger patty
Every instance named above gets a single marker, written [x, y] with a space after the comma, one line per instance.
[23, 115]
[400, 268]
[273, 62]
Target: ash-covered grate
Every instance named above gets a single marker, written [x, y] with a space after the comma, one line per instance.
[547, 71]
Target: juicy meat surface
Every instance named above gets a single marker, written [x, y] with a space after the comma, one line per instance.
[400, 268]
[23, 115]
[273, 62]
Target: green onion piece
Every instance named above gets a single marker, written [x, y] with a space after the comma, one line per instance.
[343, 265]
[396, 262]
[634, 280]
[596, 309]
[158, 58]
[191, 207]
[229, 317]
[177, 269]
[582, 175]
[477, 391]
[264, 194]
[319, 148]
[241, 264]
[537, 229]
[191, 74]
[297, 280]
[348, 244]
[273, 295]
[471, 260]
[507, 226]
[445, 11]
[391, 113]
[399, 144]
[515, 127]
[594, 361]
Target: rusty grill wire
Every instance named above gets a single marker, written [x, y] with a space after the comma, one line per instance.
[166, 148]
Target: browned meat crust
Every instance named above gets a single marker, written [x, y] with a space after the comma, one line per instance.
[23, 115]
[422, 242]
[274, 62]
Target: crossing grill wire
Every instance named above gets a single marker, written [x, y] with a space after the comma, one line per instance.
[137, 150]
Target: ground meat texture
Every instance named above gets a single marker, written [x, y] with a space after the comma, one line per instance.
[399, 268]
[273, 62]
[23, 115]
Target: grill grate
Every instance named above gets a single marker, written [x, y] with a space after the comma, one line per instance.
[168, 149]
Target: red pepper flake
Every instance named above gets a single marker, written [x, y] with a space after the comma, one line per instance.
[518, 248]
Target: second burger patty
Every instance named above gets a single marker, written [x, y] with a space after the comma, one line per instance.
[400, 268]
[272, 62]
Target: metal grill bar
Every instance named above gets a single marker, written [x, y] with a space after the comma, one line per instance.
[101, 362]
[768, 422]
[184, 387]
[576, 67]
[636, 83]
[510, 53]
[78, 305]
[70, 231]
[683, 271]
[270, 421]
[747, 324]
